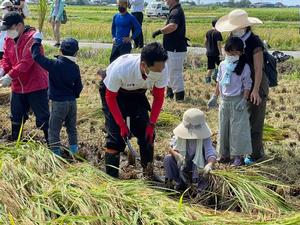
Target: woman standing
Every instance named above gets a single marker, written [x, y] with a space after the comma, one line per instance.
[239, 24]
[56, 16]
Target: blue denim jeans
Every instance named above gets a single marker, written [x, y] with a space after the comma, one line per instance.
[62, 113]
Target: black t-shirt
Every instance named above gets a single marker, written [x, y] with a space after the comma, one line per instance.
[176, 41]
[253, 44]
[212, 38]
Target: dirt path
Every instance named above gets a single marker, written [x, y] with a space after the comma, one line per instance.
[195, 50]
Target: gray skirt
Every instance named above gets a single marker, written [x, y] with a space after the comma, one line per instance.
[234, 129]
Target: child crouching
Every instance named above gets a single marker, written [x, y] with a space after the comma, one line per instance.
[191, 150]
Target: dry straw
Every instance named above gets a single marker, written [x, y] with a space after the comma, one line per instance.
[40, 188]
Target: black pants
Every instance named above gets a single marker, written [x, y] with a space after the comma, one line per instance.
[118, 50]
[136, 106]
[212, 61]
[37, 101]
[139, 41]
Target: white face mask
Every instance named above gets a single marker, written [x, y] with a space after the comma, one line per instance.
[238, 33]
[5, 11]
[154, 76]
[12, 34]
[232, 58]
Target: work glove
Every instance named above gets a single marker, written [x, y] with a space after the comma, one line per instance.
[180, 160]
[38, 36]
[213, 101]
[150, 133]
[124, 131]
[5, 81]
[156, 33]
[241, 105]
[2, 72]
[207, 169]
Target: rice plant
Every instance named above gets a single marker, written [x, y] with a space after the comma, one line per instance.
[42, 10]
[39, 188]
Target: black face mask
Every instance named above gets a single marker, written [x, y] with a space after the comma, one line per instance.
[121, 9]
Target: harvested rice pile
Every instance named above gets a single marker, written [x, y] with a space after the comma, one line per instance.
[39, 188]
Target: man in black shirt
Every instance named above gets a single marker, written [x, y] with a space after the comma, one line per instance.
[174, 42]
[213, 40]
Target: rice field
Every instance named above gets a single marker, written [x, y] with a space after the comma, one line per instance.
[93, 23]
[38, 188]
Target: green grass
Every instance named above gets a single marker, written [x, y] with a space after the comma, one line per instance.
[94, 23]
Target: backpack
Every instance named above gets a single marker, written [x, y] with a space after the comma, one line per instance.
[270, 68]
[64, 17]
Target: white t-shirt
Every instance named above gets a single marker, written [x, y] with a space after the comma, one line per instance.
[125, 72]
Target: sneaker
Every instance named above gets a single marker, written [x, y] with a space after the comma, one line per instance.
[238, 161]
[207, 80]
[248, 161]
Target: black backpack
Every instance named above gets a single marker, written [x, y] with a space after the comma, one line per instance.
[270, 68]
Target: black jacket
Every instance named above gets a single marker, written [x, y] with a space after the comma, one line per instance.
[64, 75]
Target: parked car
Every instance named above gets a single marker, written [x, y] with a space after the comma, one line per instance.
[157, 9]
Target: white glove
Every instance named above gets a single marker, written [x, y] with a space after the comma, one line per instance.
[180, 160]
[207, 169]
[38, 35]
[2, 72]
[213, 101]
[5, 81]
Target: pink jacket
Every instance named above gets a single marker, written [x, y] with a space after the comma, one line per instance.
[27, 76]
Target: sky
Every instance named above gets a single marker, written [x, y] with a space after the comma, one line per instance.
[285, 2]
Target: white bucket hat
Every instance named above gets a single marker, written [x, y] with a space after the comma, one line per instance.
[193, 125]
[236, 19]
[6, 3]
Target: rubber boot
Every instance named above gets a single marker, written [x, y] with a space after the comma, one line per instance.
[170, 93]
[56, 151]
[150, 175]
[179, 96]
[112, 163]
[207, 80]
[15, 130]
[73, 149]
[46, 136]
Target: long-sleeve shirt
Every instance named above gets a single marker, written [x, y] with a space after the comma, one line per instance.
[237, 83]
[121, 26]
[137, 5]
[64, 75]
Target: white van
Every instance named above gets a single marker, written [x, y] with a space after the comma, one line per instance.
[157, 9]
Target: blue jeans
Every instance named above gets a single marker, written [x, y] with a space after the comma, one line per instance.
[62, 112]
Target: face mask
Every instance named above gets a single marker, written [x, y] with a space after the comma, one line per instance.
[121, 9]
[4, 11]
[238, 33]
[12, 34]
[232, 58]
[154, 76]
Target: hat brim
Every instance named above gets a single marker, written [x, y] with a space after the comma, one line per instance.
[223, 24]
[182, 132]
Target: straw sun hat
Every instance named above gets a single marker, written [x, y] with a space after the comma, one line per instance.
[236, 19]
[193, 125]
